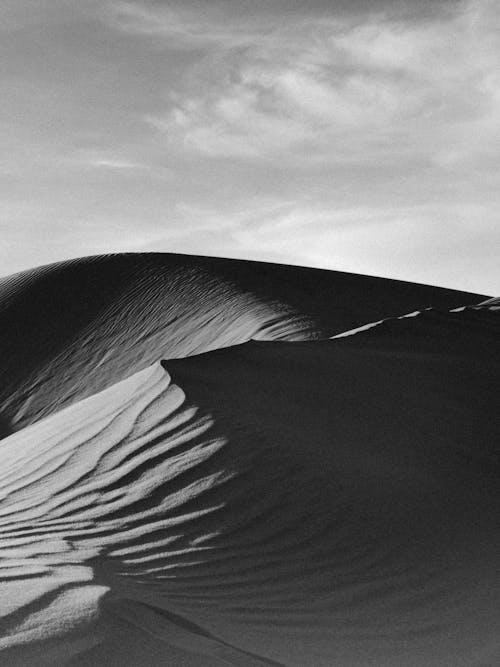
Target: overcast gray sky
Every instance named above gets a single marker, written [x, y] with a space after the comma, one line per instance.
[360, 135]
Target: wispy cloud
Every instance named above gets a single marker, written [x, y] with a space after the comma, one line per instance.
[336, 88]
[97, 160]
[191, 25]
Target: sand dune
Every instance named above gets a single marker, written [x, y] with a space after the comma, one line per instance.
[71, 329]
[294, 489]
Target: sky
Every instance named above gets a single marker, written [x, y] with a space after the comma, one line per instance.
[357, 135]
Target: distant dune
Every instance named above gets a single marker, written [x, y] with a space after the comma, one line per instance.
[212, 462]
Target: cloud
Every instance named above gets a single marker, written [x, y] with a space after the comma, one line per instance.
[327, 87]
[187, 26]
[342, 134]
[99, 160]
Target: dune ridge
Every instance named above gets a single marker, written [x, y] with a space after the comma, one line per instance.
[296, 502]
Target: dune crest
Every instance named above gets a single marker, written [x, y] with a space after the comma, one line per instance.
[298, 503]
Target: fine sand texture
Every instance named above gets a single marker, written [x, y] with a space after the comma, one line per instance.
[210, 462]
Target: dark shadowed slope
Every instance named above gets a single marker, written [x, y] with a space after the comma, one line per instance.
[71, 329]
[307, 504]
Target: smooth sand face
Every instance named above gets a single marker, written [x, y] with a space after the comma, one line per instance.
[307, 503]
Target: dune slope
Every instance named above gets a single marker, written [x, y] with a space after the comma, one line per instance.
[303, 503]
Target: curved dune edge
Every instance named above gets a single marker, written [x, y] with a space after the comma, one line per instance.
[72, 329]
[305, 504]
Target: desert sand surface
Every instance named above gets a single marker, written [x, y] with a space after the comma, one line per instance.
[212, 462]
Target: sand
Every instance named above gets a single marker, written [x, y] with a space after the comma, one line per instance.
[211, 462]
